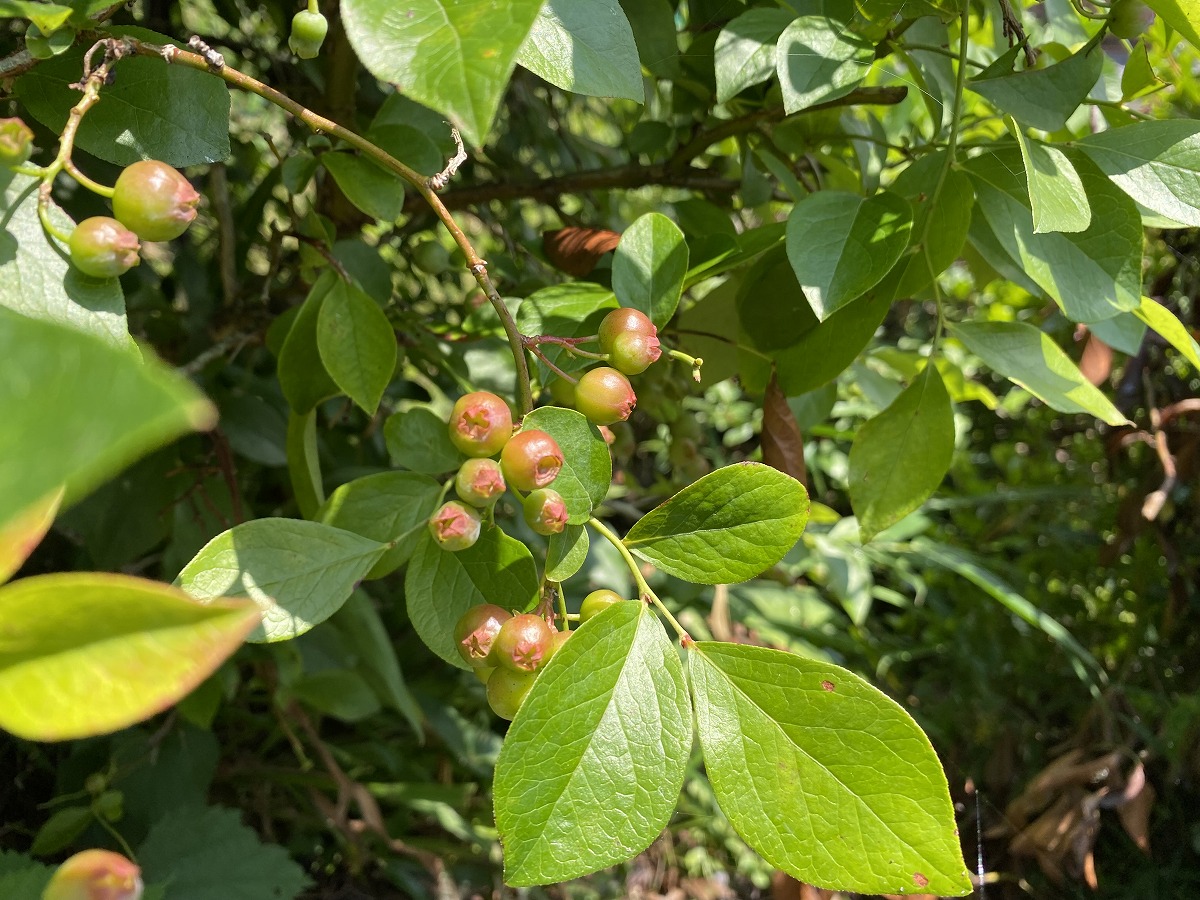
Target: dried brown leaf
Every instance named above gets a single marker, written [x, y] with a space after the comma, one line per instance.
[1097, 359]
[576, 250]
[1135, 816]
[782, 442]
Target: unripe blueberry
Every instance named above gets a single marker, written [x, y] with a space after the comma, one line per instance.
[563, 392]
[476, 631]
[546, 511]
[1129, 19]
[625, 320]
[103, 247]
[605, 396]
[154, 200]
[16, 142]
[308, 34]
[598, 601]
[95, 875]
[522, 643]
[455, 526]
[632, 353]
[479, 482]
[506, 691]
[559, 638]
[480, 424]
[531, 460]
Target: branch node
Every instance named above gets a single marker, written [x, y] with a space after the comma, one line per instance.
[168, 52]
[439, 181]
[214, 59]
[479, 268]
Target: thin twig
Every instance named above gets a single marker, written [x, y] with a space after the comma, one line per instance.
[320, 124]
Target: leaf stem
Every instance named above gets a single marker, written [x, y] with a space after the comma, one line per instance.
[644, 590]
[318, 123]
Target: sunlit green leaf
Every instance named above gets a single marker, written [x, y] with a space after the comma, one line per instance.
[357, 344]
[87, 653]
[900, 456]
[1027, 357]
[649, 265]
[299, 573]
[454, 56]
[586, 47]
[728, 526]
[819, 59]
[587, 464]
[591, 769]
[795, 749]
[1156, 163]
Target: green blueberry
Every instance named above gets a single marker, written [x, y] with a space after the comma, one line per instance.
[103, 247]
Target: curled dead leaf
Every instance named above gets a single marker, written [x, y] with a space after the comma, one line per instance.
[576, 250]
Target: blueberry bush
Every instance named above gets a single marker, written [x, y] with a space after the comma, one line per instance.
[454, 447]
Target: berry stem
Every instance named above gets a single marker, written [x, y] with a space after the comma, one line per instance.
[644, 589]
[551, 366]
[94, 186]
[571, 345]
[562, 606]
[694, 361]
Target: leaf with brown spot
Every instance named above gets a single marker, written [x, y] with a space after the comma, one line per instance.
[576, 250]
[782, 442]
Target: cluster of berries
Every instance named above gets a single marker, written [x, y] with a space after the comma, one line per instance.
[630, 341]
[151, 202]
[507, 652]
[480, 427]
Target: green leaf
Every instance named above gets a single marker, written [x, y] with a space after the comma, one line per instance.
[38, 281]
[360, 622]
[586, 47]
[23, 879]
[1182, 15]
[454, 56]
[574, 309]
[299, 573]
[653, 24]
[943, 226]
[649, 265]
[587, 464]
[745, 50]
[366, 184]
[1092, 274]
[1168, 326]
[304, 464]
[819, 59]
[824, 351]
[339, 693]
[900, 456]
[87, 653]
[729, 526]
[841, 245]
[440, 586]
[593, 763]
[824, 776]
[77, 411]
[302, 375]
[357, 344]
[1056, 194]
[386, 507]
[1044, 98]
[419, 440]
[1155, 163]
[152, 110]
[24, 530]
[206, 853]
[567, 552]
[1027, 357]
[48, 17]
[61, 830]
